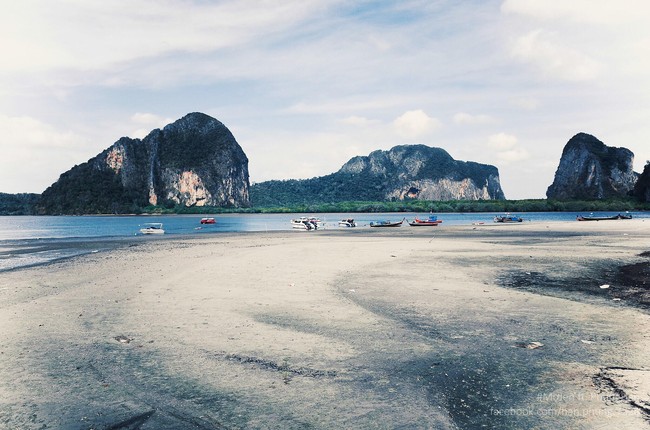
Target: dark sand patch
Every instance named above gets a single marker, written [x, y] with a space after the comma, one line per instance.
[611, 282]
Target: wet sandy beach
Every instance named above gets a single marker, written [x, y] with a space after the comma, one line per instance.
[496, 326]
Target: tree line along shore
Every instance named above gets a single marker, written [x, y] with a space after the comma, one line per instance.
[12, 204]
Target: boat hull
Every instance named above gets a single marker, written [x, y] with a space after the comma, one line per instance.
[300, 224]
[153, 228]
[152, 231]
[386, 224]
[424, 223]
[507, 219]
[347, 223]
[603, 218]
[432, 221]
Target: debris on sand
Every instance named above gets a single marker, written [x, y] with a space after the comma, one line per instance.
[529, 345]
[123, 339]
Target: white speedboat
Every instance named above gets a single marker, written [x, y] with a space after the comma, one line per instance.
[152, 228]
[305, 223]
[349, 222]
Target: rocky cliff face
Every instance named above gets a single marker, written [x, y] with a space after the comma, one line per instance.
[589, 169]
[195, 161]
[426, 173]
[404, 172]
[642, 186]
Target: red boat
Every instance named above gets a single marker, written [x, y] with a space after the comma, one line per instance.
[431, 221]
[208, 221]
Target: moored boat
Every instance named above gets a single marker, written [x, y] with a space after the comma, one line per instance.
[591, 217]
[209, 220]
[386, 223]
[305, 223]
[349, 222]
[508, 218]
[316, 221]
[431, 221]
[152, 228]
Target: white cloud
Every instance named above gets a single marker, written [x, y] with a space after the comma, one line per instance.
[606, 13]
[502, 141]
[34, 154]
[548, 52]
[506, 148]
[359, 121]
[86, 35]
[342, 105]
[526, 103]
[513, 155]
[148, 122]
[415, 123]
[581, 40]
[331, 74]
[463, 118]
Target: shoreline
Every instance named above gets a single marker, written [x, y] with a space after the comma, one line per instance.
[363, 328]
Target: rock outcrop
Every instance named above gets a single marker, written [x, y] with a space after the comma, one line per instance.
[589, 169]
[404, 172]
[425, 173]
[194, 161]
[642, 186]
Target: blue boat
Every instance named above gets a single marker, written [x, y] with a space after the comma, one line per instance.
[386, 223]
[508, 218]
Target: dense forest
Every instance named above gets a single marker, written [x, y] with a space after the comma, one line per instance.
[336, 187]
[27, 204]
[18, 204]
[87, 190]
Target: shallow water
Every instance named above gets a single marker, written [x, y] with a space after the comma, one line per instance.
[42, 227]
[32, 240]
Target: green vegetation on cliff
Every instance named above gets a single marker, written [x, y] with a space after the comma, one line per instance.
[405, 171]
[18, 204]
[87, 190]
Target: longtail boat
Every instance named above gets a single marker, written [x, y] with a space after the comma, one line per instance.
[431, 221]
[386, 223]
[602, 218]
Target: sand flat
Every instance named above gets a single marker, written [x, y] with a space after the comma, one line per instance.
[494, 326]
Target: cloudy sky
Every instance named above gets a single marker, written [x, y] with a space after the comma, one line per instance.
[306, 85]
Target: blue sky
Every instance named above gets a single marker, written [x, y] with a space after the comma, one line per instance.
[306, 85]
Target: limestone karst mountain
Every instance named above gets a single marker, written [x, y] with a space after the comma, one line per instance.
[403, 172]
[194, 161]
[589, 169]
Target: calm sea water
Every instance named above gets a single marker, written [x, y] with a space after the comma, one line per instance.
[29, 240]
